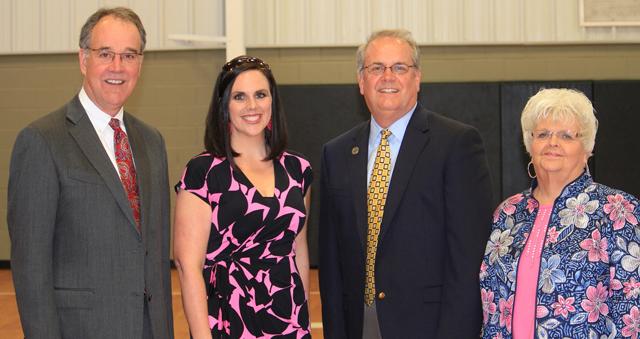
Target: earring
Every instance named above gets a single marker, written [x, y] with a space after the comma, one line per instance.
[532, 176]
[270, 125]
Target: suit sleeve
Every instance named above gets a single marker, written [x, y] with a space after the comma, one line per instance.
[333, 318]
[468, 204]
[166, 237]
[31, 216]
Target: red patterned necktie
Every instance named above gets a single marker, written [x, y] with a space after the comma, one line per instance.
[124, 159]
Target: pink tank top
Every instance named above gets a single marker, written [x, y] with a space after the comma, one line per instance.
[524, 309]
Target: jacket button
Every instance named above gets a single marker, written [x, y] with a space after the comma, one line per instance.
[381, 295]
[148, 297]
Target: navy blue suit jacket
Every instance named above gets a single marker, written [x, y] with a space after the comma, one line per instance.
[432, 237]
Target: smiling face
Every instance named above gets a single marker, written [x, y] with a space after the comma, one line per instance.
[249, 105]
[109, 85]
[557, 157]
[389, 96]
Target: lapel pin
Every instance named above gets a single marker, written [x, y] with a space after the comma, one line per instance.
[355, 150]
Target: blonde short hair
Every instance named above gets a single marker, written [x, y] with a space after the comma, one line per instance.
[560, 104]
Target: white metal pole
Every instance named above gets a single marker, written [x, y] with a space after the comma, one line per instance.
[234, 28]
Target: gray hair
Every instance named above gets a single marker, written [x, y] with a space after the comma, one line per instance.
[560, 104]
[121, 13]
[401, 34]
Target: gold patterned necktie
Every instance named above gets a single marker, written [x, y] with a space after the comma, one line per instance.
[376, 198]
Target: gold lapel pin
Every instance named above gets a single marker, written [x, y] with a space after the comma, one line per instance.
[355, 150]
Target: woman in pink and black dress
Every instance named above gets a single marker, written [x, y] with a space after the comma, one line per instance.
[240, 242]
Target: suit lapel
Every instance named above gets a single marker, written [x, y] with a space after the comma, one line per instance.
[85, 136]
[415, 139]
[358, 169]
[141, 159]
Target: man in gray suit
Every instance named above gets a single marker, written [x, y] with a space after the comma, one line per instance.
[88, 209]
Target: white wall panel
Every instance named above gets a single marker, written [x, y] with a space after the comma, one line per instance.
[353, 21]
[508, 21]
[321, 18]
[81, 10]
[383, 14]
[627, 34]
[56, 25]
[290, 27]
[41, 26]
[177, 20]
[539, 20]
[259, 22]
[26, 27]
[208, 16]
[150, 12]
[6, 26]
[478, 21]
[567, 22]
[115, 3]
[166, 17]
[416, 16]
[448, 21]
[601, 34]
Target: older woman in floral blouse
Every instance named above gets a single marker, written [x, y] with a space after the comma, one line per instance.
[563, 259]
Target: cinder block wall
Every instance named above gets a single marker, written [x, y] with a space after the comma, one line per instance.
[175, 87]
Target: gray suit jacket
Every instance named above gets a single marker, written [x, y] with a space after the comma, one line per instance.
[80, 267]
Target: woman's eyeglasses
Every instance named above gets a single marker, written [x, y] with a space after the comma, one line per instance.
[544, 135]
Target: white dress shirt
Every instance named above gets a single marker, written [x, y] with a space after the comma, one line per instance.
[100, 121]
[395, 140]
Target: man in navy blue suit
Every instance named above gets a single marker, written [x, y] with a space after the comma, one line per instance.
[425, 250]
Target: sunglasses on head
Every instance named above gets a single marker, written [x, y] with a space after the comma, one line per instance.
[241, 60]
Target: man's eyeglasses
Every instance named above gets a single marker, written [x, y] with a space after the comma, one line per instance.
[565, 136]
[241, 60]
[106, 56]
[379, 69]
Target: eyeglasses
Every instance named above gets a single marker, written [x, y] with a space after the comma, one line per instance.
[241, 60]
[106, 56]
[564, 136]
[379, 69]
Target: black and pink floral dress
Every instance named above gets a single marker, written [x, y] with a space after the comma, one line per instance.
[253, 285]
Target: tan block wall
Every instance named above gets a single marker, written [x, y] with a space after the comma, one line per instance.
[175, 87]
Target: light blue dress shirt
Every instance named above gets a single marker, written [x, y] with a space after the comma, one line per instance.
[395, 140]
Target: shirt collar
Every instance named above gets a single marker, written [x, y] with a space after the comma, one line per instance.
[99, 119]
[577, 185]
[397, 128]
